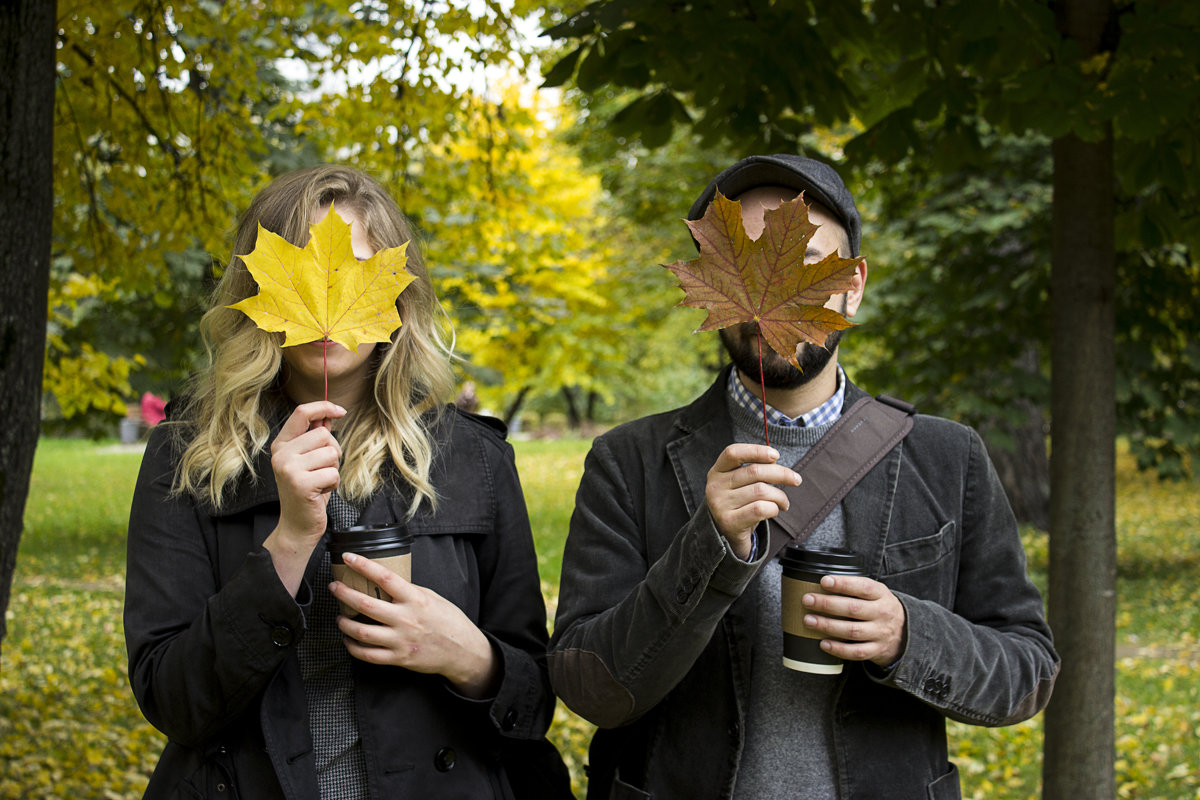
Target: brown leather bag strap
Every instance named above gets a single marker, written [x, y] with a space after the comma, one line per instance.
[861, 437]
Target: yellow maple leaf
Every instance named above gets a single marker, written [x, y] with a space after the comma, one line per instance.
[321, 291]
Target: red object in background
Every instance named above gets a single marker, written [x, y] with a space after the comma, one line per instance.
[153, 409]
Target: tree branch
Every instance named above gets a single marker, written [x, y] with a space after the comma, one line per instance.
[163, 142]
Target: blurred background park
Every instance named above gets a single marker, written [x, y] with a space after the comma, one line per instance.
[1029, 180]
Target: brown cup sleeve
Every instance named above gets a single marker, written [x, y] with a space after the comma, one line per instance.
[401, 565]
[792, 593]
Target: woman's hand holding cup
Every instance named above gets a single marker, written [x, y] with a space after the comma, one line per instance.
[417, 629]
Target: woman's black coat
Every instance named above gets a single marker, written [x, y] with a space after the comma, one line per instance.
[212, 634]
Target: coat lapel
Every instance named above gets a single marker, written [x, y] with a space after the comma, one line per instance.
[704, 430]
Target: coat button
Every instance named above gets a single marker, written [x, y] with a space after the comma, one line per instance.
[281, 636]
[444, 760]
[510, 720]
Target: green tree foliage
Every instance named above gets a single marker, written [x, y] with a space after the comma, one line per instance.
[988, 334]
[959, 282]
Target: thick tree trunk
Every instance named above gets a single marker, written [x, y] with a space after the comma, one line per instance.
[27, 67]
[1080, 747]
[1080, 740]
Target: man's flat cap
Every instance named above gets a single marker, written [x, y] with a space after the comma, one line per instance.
[818, 181]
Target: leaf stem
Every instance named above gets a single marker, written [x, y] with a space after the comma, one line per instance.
[325, 366]
[762, 385]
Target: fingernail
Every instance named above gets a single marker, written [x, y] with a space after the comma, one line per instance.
[349, 558]
[808, 600]
[810, 620]
[773, 453]
[333, 588]
[339, 408]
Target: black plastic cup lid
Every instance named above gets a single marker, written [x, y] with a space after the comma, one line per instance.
[826, 560]
[368, 539]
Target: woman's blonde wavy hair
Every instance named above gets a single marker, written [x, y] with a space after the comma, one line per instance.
[227, 414]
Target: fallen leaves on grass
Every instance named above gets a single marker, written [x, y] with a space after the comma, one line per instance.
[69, 727]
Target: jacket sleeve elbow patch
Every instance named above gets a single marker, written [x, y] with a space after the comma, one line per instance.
[586, 685]
[1036, 700]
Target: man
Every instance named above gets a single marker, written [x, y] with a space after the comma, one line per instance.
[668, 627]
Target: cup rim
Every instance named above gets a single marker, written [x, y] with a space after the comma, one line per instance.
[825, 560]
[369, 538]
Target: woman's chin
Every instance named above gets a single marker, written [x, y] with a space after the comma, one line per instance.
[316, 361]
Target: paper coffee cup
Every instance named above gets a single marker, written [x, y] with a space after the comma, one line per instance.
[803, 568]
[389, 545]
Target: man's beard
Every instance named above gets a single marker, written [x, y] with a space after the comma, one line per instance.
[777, 373]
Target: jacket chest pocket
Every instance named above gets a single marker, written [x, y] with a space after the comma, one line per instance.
[924, 567]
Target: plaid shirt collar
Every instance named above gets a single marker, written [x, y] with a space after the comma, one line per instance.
[828, 411]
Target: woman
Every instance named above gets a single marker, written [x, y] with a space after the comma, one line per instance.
[236, 648]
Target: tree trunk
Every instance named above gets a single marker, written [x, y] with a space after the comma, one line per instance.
[593, 400]
[1080, 747]
[27, 70]
[574, 418]
[514, 407]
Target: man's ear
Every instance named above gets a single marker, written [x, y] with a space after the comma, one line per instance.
[855, 295]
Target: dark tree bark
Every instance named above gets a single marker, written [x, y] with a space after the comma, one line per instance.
[27, 70]
[1080, 747]
[514, 407]
[593, 400]
[574, 418]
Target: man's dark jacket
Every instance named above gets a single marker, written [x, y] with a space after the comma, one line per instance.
[654, 627]
[212, 635]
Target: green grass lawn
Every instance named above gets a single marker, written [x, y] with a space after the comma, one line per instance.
[69, 727]
[550, 471]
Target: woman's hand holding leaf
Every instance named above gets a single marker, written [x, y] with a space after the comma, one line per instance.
[304, 458]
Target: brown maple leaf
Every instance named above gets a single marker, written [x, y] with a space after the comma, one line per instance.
[764, 280]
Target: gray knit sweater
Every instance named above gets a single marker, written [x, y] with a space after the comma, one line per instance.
[788, 751]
